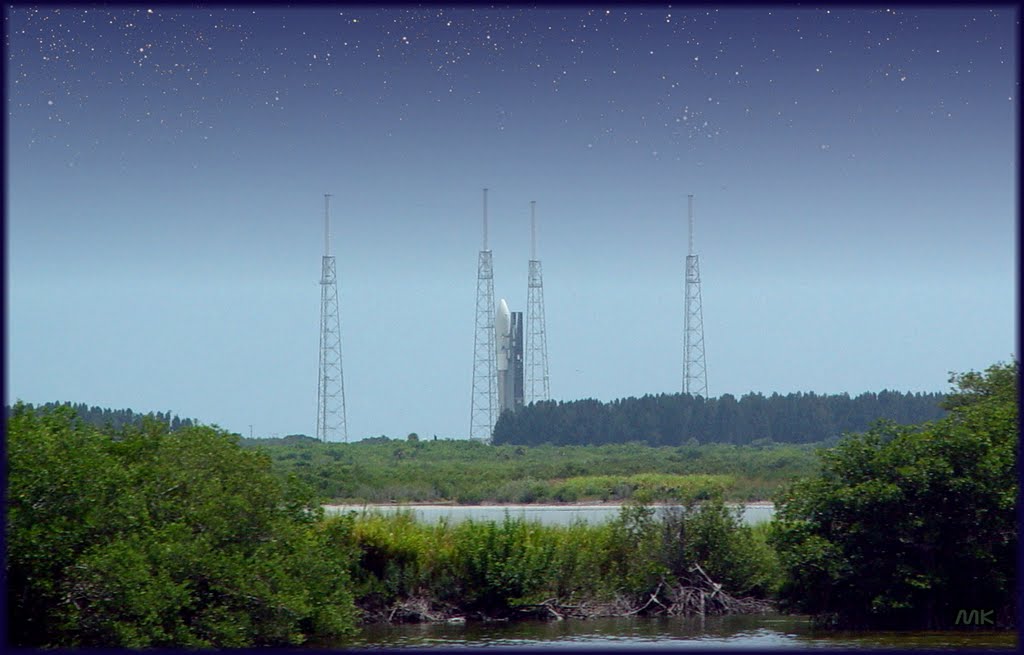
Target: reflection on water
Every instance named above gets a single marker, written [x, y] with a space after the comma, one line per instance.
[767, 631]
[546, 514]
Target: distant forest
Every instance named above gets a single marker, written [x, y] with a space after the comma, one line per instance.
[679, 419]
[114, 418]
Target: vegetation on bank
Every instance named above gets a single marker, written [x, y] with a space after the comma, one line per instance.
[912, 526]
[144, 537]
[412, 570]
[391, 470]
[149, 538]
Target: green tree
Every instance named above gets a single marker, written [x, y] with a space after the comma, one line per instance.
[905, 526]
[157, 538]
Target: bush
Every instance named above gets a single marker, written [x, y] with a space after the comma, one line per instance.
[905, 526]
[389, 558]
[632, 551]
[471, 496]
[732, 553]
[154, 538]
[496, 565]
[487, 568]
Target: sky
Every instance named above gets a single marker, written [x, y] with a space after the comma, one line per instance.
[853, 172]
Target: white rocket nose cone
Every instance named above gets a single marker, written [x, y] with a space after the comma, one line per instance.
[503, 320]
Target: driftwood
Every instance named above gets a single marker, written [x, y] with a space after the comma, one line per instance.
[652, 599]
[550, 608]
[694, 595]
[417, 609]
[697, 595]
[700, 595]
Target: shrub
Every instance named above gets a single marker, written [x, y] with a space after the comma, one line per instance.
[388, 557]
[499, 564]
[904, 526]
[154, 538]
[732, 553]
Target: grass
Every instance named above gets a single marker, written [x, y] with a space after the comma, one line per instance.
[390, 470]
[487, 567]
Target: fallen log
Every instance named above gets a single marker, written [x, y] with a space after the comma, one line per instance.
[696, 594]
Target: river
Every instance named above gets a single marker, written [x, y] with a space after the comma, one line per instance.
[546, 514]
[766, 631]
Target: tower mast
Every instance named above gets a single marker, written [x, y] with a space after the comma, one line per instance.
[695, 381]
[483, 400]
[330, 412]
[536, 333]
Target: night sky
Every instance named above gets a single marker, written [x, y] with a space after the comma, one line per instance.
[853, 172]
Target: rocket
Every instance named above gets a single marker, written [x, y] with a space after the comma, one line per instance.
[508, 338]
[503, 334]
[503, 338]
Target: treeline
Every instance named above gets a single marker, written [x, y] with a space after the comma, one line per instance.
[116, 419]
[679, 419]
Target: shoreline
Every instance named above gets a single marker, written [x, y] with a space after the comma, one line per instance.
[552, 506]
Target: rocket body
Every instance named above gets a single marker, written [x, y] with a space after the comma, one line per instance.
[508, 332]
[502, 334]
[502, 331]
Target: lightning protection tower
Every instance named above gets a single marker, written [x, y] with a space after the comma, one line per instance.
[536, 335]
[483, 401]
[330, 410]
[695, 380]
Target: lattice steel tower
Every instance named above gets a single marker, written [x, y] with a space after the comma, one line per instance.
[330, 410]
[695, 379]
[483, 404]
[536, 335]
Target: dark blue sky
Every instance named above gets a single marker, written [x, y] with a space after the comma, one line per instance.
[853, 172]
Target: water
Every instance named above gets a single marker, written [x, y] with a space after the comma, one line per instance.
[546, 514]
[762, 632]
